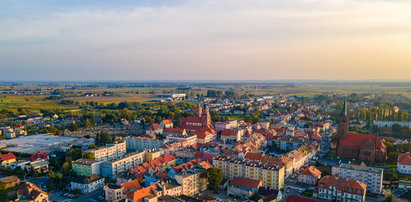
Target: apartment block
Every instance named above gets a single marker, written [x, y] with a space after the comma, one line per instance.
[269, 174]
[370, 176]
[334, 188]
[110, 168]
[142, 143]
[86, 167]
[109, 152]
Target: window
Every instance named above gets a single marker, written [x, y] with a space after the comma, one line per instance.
[358, 191]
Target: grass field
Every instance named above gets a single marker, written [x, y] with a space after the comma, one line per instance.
[122, 98]
[30, 102]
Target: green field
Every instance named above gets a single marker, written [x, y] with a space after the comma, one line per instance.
[30, 103]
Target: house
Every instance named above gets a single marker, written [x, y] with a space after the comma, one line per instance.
[231, 135]
[404, 163]
[272, 195]
[166, 123]
[87, 184]
[29, 191]
[38, 167]
[309, 176]
[204, 137]
[340, 189]
[9, 182]
[7, 159]
[39, 156]
[154, 128]
[243, 187]
[118, 192]
[146, 194]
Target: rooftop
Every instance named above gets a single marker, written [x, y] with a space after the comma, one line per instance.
[360, 168]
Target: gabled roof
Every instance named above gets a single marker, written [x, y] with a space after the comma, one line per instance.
[245, 182]
[167, 121]
[6, 157]
[311, 171]
[405, 159]
[356, 140]
[131, 186]
[229, 132]
[154, 127]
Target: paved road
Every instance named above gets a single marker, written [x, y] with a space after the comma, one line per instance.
[92, 197]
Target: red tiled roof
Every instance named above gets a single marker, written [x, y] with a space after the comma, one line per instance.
[405, 159]
[245, 182]
[201, 134]
[254, 156]
[131, 185]
[138, 195]
[229, 132]
[154, 127]
[167, 121]
[356, 140]
[311, 171]
[8, 156]
[173, 130]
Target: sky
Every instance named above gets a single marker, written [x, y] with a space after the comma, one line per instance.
[94, 40]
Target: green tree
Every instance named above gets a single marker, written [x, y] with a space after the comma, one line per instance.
[89, 155]
[214, 177]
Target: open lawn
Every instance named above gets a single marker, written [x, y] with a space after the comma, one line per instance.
[115, 99]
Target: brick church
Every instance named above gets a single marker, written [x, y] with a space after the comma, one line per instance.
[201, 122]
[365, 147]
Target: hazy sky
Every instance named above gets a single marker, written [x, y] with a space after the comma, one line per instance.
[205, 40]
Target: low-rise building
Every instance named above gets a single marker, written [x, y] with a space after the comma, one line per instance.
[110, 168]
[309, 176]
[243, 187]
[87, 184]
[86, 167]
[29, 191]
[119, 192]
[154, 128]
[340, 189]
[404, 163]
[109, 152]
[370, 176]
[38, 167]
[231, 135]
[9, 182]
[7, 159]
[166, 123]
[189, 138]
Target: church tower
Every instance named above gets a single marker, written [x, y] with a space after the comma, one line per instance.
[198, 110]
[344, 122]
[206, 117]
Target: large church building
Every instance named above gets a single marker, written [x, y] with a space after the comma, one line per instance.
[365, 147]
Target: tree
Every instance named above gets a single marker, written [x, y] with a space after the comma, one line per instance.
[255, 197]
[76, 191]
[214, 177]
[89, 155]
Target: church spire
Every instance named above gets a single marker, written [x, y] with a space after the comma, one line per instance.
[345, 107]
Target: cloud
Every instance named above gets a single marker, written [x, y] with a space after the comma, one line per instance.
[213, 39]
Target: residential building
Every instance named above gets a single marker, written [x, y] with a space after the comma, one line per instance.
[191, 181]
[381, 124]
[229, 124]
[110, 168]
[189, 138]
[8, 132]
[340, 189]
[204, 137]
[154, 128]
[231, 135]
[7, 159]
[38, 167]
[272, 195]
[404, 163]
[370, 176]
[270, 174]
[87, 184]
[109, 152]
[86, 167]
[9, 182]
[174, 131]
[146, 194]
[29, 191]
[119, 192]
[309, 176]
[166, 123]
[142, 143]
[243, 187]
[153, 154]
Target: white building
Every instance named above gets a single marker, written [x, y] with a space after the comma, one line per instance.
[191, 139]
[370, 176]
[404, 163]
[110, 168]
[87, 184]
[109, 152]
[142, 143]
[334, 188]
